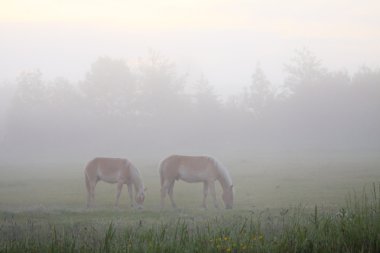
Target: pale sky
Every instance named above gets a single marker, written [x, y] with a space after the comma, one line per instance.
[224, 40]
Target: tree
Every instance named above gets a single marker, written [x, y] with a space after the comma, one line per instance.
[6, 94]
[260, 93]
[27, 117]
[205, 99]
[31, 90]
[110, 87]
[30, 98]
[160, 90]
[304, 69]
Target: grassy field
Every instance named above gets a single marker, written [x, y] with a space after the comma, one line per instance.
[326, 203]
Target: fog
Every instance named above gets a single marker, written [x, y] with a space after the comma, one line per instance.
[278, 103]
[151, 109]
[79, 80]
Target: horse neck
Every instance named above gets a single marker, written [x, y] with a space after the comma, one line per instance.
[223, 177]
[136, 179]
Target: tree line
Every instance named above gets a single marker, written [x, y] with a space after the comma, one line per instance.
[117, 108]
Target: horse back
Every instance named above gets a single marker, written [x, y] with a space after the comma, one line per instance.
[188, 168]
[108, 169]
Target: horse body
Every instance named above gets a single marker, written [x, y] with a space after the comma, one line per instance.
[194, 169]
[114, 170]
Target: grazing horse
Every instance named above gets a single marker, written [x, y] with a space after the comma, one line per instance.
[193, 169]
[114, 170]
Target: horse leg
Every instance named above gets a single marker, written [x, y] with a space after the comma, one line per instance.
[164, 190]
[90, 185]
[213, 194]
[91, 195]
[170, 193]
[205, 192]
[130, 192]
[118, 191]
[93, 192]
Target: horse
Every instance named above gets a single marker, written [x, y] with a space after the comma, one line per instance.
[194, 169]
[114, 170]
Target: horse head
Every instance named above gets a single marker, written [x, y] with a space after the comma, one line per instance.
[140, 197]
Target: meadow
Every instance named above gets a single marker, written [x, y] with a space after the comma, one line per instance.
[283, 203]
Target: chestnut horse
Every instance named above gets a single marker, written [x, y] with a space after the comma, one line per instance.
[114, 170]
[194, 169]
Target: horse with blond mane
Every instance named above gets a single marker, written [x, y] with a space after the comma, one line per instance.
[114, 170]
[193, 169]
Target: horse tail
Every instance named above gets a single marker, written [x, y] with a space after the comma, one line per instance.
[87, 181]
[161, 170]
[88, 185]
[88, 171]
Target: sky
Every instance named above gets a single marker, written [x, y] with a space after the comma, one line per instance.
[223, 40]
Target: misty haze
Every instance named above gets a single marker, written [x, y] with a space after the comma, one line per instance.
[151, 109]
[273, 117]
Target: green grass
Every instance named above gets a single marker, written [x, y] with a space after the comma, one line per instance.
[354, 228]
[288, 205]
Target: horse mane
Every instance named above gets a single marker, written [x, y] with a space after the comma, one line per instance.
[138, 183]
[224, 177]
